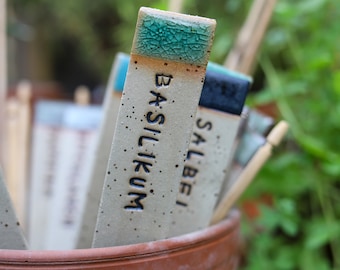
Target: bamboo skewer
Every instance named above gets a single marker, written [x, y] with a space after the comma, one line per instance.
[82, 95]
[24, 93]
[3, 75]
[175, 5]
[243, 55]
[11, 128]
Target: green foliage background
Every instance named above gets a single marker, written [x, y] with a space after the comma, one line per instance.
[298, 69]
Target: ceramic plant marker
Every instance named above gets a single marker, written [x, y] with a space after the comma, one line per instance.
[98, 170]
[259, 122]
[11, 235]
[249, 143]
[155, 121]
[215, 129]
[256, 127]
[76, 148]
[47, 123]
[248, 174]
[102, 151]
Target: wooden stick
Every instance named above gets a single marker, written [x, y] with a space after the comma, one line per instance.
[243, 55]
[249, 173]
[82, 95]
[175, 5]
[24, 92]
[12, 150]
[3, 76]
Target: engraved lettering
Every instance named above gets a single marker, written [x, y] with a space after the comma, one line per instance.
[185, 188]
[141, 138]
[142, 164]
[181, 203]
[146, 155]
[136, 204]
[158, 100]
[207, 125]
[146, 159]
[163, 80]
[198, 139]
[151, 130]
[137, 182]
[158, 119]
[189, 171]
[192, 152]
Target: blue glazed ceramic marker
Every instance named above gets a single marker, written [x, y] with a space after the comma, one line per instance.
[11, 234]
[259, 122]
[102, 151]
[155, 121]
[76, 148]
[216, 126]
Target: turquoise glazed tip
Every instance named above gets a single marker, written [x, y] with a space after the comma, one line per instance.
[172, 36]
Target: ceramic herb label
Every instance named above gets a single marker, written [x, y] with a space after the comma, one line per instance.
[156, 116]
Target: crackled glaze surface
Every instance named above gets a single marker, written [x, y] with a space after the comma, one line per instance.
[171, 37]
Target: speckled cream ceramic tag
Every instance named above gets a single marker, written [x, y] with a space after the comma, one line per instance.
[156, 116]
[102, 151]
[75, 154]
[11, 234]
[46, 129]
[216, 126]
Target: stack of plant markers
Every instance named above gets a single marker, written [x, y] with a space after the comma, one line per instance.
[159, 158]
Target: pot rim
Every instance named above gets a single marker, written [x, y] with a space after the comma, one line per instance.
[126, 252]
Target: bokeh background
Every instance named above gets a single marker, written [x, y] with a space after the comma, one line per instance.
[291, 211]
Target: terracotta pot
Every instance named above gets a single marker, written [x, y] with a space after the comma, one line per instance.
[216, 247]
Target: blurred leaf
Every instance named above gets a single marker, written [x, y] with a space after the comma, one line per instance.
[320, 232]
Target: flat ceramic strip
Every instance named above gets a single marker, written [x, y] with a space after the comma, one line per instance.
[224, 93]
[11, 235]
[103, 146]
[75, 154]
[204, 170]
[259, 122]
[111, 104]
[209, 154]
[124, 59]
[249, 144]
[45, 140]
[154, 126]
